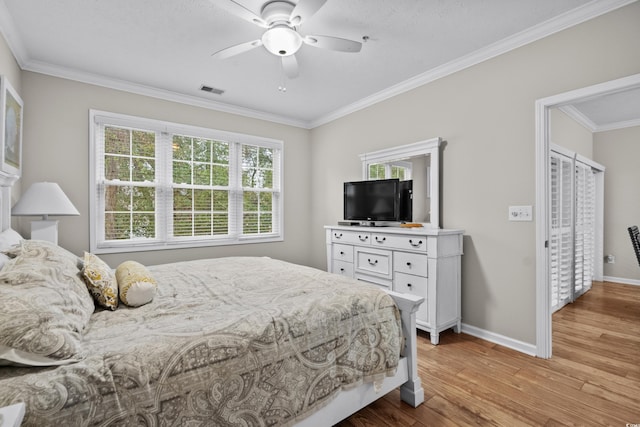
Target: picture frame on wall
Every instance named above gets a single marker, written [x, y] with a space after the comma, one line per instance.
[10, 128]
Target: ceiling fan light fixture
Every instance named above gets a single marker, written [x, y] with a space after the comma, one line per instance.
[282, 40]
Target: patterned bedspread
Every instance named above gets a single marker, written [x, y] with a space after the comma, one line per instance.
[228, 342]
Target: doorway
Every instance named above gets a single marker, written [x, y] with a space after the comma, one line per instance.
[543, 143]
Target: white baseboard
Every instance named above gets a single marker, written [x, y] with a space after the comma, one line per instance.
[511, 343]
[622, 280]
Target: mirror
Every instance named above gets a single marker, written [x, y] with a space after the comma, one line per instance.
[420, 162]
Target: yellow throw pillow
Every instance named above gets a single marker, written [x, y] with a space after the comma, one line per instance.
[136, 285]
[101, 281]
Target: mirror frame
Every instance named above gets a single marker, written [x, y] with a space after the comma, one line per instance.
[429, 147]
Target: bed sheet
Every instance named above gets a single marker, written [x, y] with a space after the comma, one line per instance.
[227, 341]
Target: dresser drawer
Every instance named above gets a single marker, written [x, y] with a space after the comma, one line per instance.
[383, 283]
[410, 263]
[374, 261]
[343, 268]
[414, 243]
[343, 252]
[414, 285]
[348, 236]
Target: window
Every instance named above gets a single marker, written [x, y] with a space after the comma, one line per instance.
[399, 169]
[158, 185]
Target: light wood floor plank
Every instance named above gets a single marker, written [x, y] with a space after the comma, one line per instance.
[593, 377]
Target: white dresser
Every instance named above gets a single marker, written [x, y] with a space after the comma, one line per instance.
[421, 261]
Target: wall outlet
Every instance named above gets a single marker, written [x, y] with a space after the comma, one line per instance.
[610, 259]
[520, 213]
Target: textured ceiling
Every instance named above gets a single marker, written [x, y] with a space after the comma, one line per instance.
[611, 111]
[164, 48]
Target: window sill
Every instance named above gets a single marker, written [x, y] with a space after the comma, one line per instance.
[159, 246]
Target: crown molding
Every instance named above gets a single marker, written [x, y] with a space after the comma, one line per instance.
[11, 36]
[153, 92]
[577, 115]
[618, 125]
[569, 19]
[584, 121]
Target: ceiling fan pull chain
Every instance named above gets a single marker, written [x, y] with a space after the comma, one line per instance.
[282, 88]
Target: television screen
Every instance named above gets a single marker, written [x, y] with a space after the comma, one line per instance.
[375, 200]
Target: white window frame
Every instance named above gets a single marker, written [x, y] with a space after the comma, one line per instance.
[164, 240]
[388, 166]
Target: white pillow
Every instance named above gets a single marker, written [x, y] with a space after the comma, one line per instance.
[8, 238]
[135, 284]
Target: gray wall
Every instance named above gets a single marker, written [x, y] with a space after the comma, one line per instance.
[9, 67]
[569, 134]
[486, 115]
[619, 152]
[56, 149]
[10, 70]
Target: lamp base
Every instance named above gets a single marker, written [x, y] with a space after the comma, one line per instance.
[45, 230]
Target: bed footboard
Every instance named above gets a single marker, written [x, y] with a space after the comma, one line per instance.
[411, 391]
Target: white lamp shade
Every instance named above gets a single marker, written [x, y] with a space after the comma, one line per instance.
[44, 199]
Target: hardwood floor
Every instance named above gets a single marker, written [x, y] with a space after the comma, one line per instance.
[593, 377]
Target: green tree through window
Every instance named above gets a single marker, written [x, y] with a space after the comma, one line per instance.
[200, 163]
[129, 160]
[156, 186]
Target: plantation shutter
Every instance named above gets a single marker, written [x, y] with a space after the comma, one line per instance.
[585, 228]
[573, 222]
[561, 240]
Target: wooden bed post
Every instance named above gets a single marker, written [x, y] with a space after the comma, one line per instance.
[411, 392]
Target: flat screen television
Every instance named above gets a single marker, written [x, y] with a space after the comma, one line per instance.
[378, 200]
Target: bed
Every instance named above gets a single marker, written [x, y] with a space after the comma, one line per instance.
[241, 341]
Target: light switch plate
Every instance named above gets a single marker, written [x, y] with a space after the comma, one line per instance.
[520, 213]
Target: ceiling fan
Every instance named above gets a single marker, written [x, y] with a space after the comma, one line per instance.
[282, 38]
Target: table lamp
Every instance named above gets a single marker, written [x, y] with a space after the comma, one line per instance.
[44, 199]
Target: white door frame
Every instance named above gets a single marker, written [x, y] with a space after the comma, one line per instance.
[543, 295]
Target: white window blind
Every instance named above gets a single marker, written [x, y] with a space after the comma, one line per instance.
[157, 184]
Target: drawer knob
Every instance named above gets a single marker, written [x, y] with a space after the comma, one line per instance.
[363, 239]
[341, 252]
[415, 245]
[408, 285]
[408, 264]
[380, 240]
[337, 236]
[342, 270]
[374, 262]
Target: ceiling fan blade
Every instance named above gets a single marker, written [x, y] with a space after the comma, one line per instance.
[241, 12]
[290, 66]
[304, 10]
[333, 43]
[237, 49]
